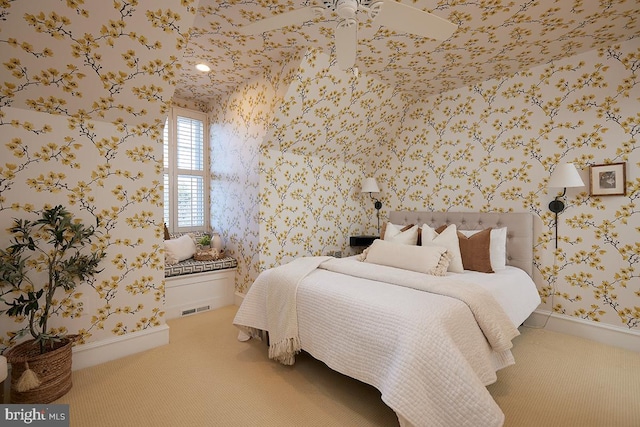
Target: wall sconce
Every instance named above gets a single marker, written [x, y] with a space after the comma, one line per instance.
[371, 186]
[563, 176]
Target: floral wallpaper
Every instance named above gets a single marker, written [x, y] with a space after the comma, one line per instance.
[493, 146]
[238, 125]
[278, 192]
[477, 122]
[85, 89]
[489, 147]
[494, 38]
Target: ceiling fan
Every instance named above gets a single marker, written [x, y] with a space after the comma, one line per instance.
[388, 13]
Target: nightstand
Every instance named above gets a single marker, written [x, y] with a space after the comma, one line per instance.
[361, 240]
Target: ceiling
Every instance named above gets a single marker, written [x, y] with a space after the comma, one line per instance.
[494, 38]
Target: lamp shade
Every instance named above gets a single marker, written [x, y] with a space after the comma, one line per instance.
[565, 175]
[370, 186]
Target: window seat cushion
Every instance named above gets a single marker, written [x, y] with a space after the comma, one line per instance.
[190, 266]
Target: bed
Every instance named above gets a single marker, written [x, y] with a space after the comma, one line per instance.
[431, 341]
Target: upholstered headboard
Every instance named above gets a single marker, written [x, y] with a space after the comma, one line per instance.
[519, 229]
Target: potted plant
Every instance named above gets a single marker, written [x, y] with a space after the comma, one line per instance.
[205, 241]
[43, 256]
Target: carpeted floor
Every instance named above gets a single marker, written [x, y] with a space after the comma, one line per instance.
[205, 377]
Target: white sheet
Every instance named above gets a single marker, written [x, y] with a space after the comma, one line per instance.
[424, 352]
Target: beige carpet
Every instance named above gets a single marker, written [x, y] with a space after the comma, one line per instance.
[205, 377]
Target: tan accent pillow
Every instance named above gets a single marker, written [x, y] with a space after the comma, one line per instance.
[167, 236]
[423, 259]
[498, 248]
[476, 251]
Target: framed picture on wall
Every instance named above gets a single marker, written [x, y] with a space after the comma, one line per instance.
[608, 180]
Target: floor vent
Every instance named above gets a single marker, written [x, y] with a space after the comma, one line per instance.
[195, 310]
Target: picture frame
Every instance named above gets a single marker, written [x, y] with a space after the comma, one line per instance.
[608, 179]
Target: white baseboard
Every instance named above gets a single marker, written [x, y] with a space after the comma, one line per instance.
[94, 353]
[238, 298]
[602, 333]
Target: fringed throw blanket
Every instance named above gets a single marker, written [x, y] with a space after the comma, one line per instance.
[281, 284]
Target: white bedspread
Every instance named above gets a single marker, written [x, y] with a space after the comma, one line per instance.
[425, 352]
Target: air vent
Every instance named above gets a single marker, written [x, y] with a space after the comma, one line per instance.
[195, 310]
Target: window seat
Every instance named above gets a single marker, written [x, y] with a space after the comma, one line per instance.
[191, 266]
[192, 286]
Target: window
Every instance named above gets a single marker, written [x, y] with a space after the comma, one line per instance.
[186, 182]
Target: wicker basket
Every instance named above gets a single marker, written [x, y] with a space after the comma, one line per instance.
[53, 369]
[208, 255]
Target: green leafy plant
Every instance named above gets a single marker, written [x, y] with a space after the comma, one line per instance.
[52, 246]
[205, 240]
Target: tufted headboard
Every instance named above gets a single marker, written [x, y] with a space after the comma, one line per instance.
[519, 229]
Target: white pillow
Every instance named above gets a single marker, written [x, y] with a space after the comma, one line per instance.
[423, 259]
[394, 233]
[449, 239]
[184, 247]
[497, 247]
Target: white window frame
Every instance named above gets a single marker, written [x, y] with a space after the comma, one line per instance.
[170, 169]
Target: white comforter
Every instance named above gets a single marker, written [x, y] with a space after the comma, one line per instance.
[425, 352]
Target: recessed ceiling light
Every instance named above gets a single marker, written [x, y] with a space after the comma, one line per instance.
[203, 67]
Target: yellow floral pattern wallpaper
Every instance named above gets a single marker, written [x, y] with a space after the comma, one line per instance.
[84, 93]
[493, 38]
[489, 147]
[493, 146]
[84, 90]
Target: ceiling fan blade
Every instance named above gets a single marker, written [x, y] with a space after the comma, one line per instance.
[408, 19]
[294, 17]
[346, 40]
